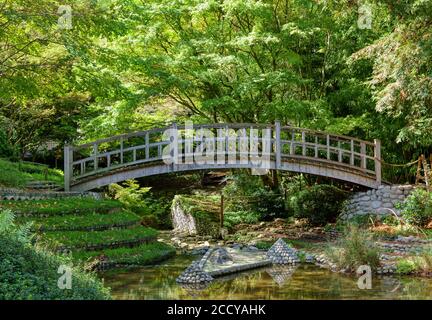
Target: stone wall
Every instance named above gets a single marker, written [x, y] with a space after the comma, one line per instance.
[376, 201]
[182, 221]
[193, 220]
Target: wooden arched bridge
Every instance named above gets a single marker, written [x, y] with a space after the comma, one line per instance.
[221, 146]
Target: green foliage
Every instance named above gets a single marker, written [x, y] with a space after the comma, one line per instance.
[141, 255]
[263, 245]
[401, 80]
[131, 194]
[405, 267]
[237, 217]
[65, 206]
[28, 272]
[156, 212]
[6, 149]
[79, 239]
[17, 174]
[319, 204]
[354, 249]
[245, 192]
[78, 222]
[417, 208]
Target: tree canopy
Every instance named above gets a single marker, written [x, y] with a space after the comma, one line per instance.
[126, 65]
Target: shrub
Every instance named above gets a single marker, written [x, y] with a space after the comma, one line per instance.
[248, 193]
[6, 149]
[405, 267]
[155, 212]
[319, 204]
[417, 208]
[354, 249]
[29, 272]
[131, 194]
[234, 218]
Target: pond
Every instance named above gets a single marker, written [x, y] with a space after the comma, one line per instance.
[303, 282]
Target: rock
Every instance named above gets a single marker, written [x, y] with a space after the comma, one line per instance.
[376, 204]
[281, 253]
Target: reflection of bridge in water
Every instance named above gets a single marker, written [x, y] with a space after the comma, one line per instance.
[236, 146]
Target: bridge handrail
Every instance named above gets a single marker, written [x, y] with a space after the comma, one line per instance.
[277, 148]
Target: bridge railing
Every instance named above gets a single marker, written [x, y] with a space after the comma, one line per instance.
[232, 143]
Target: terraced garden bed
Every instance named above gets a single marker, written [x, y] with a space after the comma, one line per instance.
[88, 222]
[137, 256]
[68, 206]
[62, 240]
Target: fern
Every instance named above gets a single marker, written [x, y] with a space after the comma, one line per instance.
[7, 218]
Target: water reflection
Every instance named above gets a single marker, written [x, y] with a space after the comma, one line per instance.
[276, 282]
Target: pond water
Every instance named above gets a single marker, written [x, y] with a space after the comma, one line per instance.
[303, 282]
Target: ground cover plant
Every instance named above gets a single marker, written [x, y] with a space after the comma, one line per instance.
[78, 239]
[76, 222]
[140, 255]
[28, 271]
[72, 205]
[18, 174]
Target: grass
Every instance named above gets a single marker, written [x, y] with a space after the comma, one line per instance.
[416, 264]
[80, 239]
[17, 175]
[141, 255]
[354, 249]
[75, 222]
[73, 205]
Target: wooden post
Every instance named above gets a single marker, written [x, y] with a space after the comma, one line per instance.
[377, 156]
[68, 158]
[121, 151]
[426, 173]
[303, 143]
[328, 147]
[95, 156]
[339, 152]
[278, 144]
[222, 211]
[147, 146]
[352, 153]
[419, 165]
[175, 142]
[363, 155]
